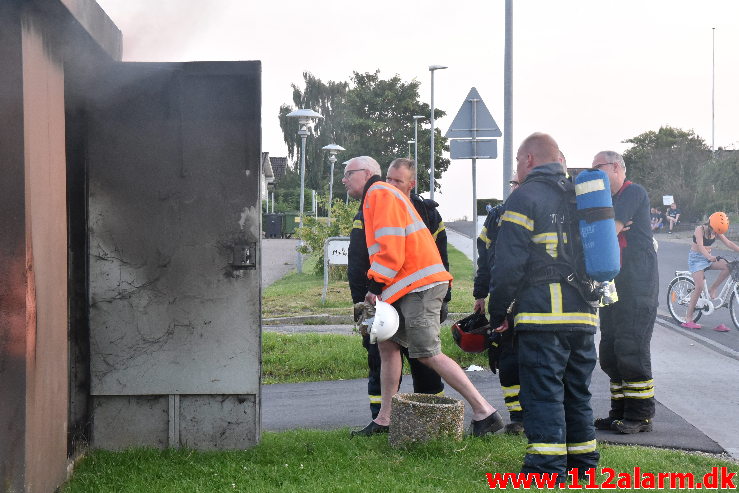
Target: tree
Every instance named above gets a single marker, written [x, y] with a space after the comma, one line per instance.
[371, 116]
[668, 162]
[717, 185]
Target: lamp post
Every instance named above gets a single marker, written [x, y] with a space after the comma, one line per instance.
[432, 69]
[332, 149]
[305, 118]
[415, 154]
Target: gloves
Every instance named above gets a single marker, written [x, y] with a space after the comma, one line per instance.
[444, 311]
[363, 311]
[494, 351]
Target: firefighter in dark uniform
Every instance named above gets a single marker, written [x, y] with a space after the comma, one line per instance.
[627, 325]
[425, 380]
[502, 352]
[554, 324]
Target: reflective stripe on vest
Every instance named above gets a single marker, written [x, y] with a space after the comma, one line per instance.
[410, 279]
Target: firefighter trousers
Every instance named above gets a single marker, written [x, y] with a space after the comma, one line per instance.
[425, 380]
[507, 365]
[625, 356]
[555, 369]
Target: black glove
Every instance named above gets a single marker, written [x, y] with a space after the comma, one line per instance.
[444, 311]
[494, 351]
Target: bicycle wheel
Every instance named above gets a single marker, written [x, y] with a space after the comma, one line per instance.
[678, 298]
[734, 309]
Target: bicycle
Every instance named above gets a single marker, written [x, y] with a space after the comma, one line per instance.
[680, 288]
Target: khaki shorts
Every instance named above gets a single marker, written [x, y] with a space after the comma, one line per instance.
[419, 321]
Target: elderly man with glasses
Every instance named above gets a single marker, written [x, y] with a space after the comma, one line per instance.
[626, 326]
[404, 268]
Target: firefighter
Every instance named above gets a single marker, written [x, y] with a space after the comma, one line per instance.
[425, 380]
[554, 324]
[502, 352]
[626, 326]
[405, 269]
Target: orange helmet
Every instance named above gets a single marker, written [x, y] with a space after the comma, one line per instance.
[719, 222]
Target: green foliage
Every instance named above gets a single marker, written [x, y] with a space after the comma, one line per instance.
[316, 230]
[717, 185]
[668, 162]
[370, 116]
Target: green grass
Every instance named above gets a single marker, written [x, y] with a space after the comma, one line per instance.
[328, 461]
[292, 358]
[300, 294]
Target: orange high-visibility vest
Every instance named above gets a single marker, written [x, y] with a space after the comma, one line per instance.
[403, 254]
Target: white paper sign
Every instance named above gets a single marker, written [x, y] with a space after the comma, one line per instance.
[667, 200]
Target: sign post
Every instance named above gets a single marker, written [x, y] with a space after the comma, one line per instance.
[475, 129]
[335, 252]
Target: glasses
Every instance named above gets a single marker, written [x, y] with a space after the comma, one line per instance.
[349, 172]
[513, 184]
[599, 166]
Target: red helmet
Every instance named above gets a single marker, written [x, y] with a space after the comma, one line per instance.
[471, 333]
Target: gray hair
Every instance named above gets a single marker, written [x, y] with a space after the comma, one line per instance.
[402, 162]
[614, 157]
[368, 163]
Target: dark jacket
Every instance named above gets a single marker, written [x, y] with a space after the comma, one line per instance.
[527, 234]
[486, 252]
[359, 262]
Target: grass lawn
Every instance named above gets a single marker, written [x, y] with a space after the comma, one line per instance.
[300, 294]
[328, 461]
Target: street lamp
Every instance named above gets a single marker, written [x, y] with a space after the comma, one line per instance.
[409, 147]
[432, 69]
[415, 154]
[305, 118]
[332, 149]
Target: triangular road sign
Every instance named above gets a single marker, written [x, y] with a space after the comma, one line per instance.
[473, 115]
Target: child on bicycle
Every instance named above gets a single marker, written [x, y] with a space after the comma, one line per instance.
[700, 260]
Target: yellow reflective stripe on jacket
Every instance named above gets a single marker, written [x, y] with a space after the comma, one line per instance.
[582, 447]
[518, 218]
[547, 449]
[484, 237]
[511, 391]
[555, 293]
[441, 228]
[375, 399]
[550, 242]
[358, 224]
[563, 318]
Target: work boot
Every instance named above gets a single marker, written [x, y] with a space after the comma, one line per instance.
[491, 424]
[604, 423]
[370, 430]
[630, 426]
[514, 428]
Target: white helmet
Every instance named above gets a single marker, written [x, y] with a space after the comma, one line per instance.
[385, 323]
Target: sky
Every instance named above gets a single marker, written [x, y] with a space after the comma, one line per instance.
[592, 73]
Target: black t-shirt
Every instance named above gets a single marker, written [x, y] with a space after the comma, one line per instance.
[632, 204]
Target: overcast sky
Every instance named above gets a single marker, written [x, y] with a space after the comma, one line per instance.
[590, 72]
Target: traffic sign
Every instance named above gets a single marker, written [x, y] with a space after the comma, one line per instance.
[473, 120]
[474, 149]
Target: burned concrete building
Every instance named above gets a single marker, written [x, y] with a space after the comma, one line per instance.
[129, 246]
